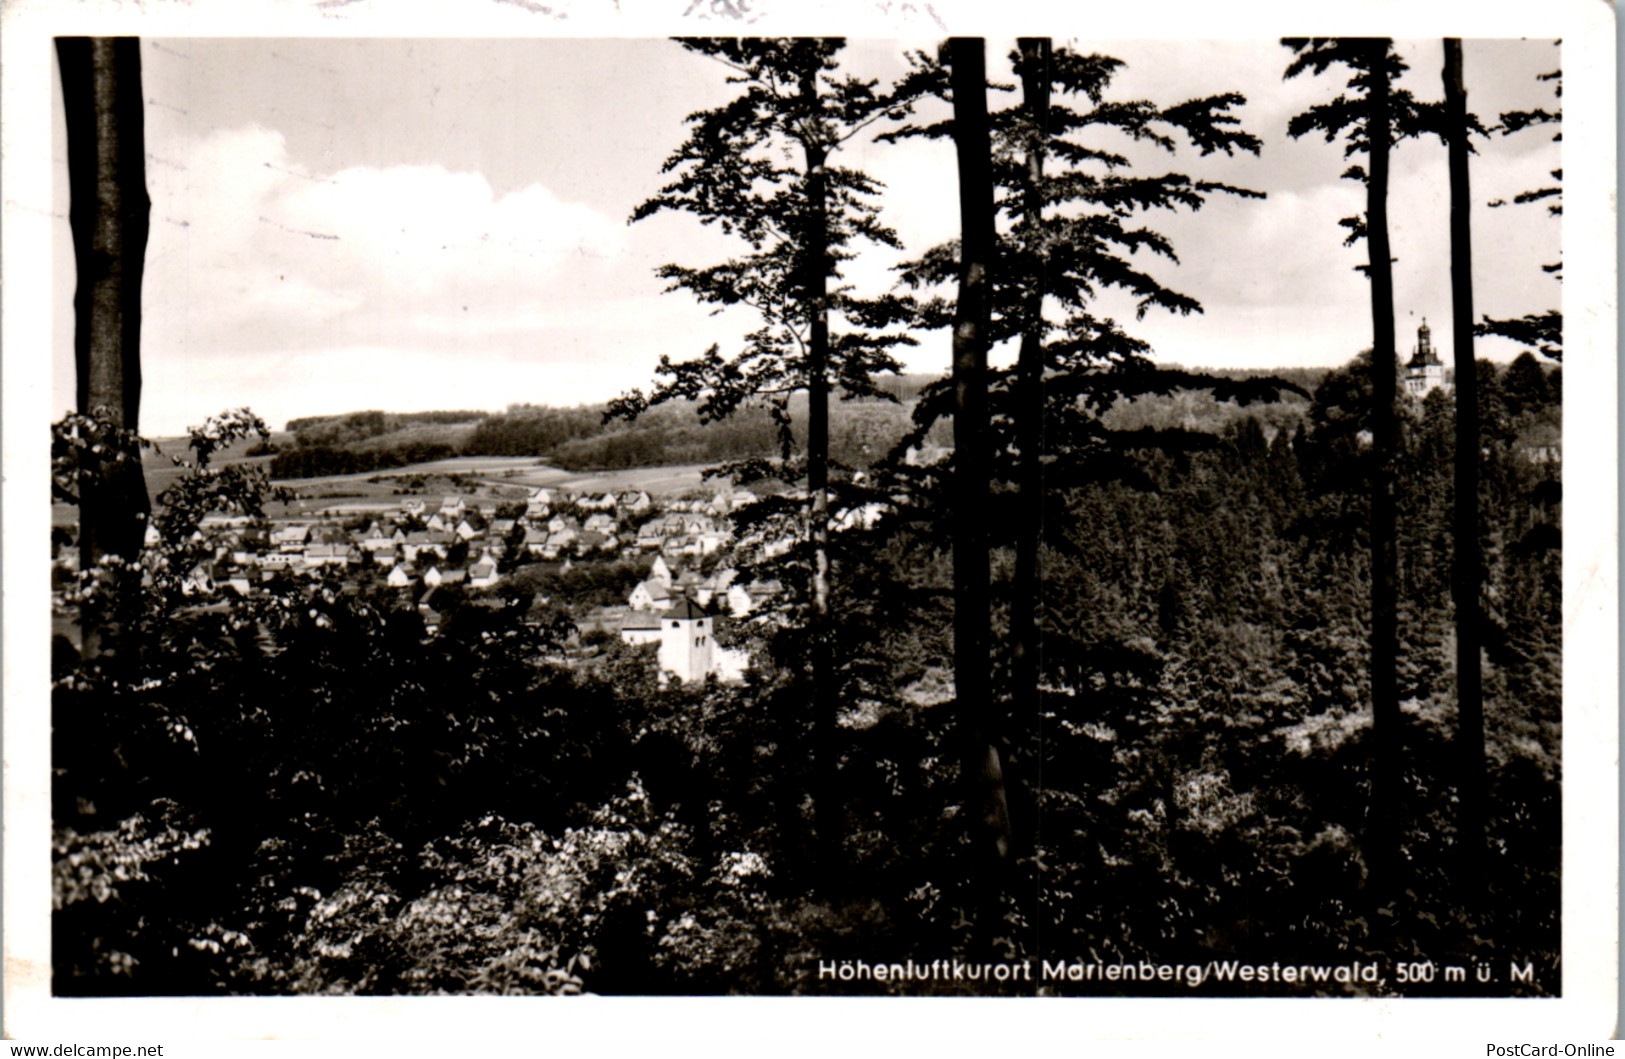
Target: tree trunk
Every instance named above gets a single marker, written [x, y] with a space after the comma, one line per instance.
[102, 106]
[1026, 591]
[982, 769]
[1384, 825]
[825, 702]
[1466, 574]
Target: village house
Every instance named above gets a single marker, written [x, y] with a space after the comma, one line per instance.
[326, 555]
[650, 595]
[558, 542]
[633, 502]
[640, 627]
[236, 578]
[291, 538]
[378, 537]
[483, 574]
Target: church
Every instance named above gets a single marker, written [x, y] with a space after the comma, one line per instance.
[686, 633]
[1424, 372]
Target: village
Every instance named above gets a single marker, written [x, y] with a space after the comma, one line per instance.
[434, 551]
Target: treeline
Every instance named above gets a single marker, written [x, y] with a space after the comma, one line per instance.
[861, 432]
[317, 461]
[315, 431]
[578, 439]
[531, 430]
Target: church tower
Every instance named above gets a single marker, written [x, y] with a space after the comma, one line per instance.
[688, 646]
[1424, 373]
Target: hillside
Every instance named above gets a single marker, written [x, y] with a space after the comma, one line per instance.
[577, 439]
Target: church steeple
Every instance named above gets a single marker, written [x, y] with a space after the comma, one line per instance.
[1424, 372]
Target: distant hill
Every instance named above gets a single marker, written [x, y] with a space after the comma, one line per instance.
[577, 439]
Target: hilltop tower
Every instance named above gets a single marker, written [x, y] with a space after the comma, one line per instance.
[1424, 372]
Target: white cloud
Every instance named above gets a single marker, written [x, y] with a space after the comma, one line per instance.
[249, 240]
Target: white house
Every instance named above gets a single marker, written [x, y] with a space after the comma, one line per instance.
[483, 574]
[634, 502]
[291, 538]
[650, 595]
[640, 628]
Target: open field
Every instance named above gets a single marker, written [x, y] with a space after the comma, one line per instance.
[361, 492]
[657, 481]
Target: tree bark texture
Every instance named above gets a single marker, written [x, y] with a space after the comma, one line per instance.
[108, 214]
[826, 705]
[982, 768]
[1026, 583]
[1467, 572]
[1385, 715]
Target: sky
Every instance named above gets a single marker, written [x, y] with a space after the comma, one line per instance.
[342, 224]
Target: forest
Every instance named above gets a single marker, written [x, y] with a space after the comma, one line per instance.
[1152, 666]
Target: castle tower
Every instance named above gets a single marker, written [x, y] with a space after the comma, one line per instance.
[688, 647]
[1424, 372]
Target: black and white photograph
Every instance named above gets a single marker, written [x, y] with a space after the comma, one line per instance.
[686, 512]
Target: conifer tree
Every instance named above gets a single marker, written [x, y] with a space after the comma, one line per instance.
[1069, 233]
[761, 168]
[1371, 121]
[1543, 331]
[1467, 572]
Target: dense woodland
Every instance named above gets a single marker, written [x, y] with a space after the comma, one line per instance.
[1121, 704]
[401, 814]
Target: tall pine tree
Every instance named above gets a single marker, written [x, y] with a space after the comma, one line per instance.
[1070, 209]
[760, 168]
[1467, 573]
[1371, 121]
